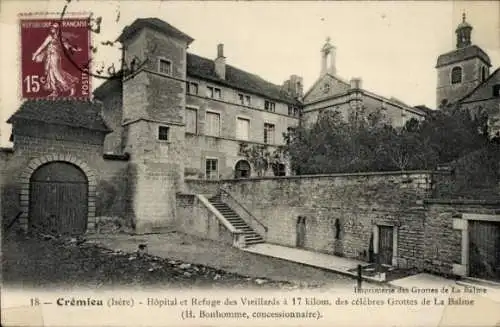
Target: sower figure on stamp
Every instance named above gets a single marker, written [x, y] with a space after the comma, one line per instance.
[51, 51]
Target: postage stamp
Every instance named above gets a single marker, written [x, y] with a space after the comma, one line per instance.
[53, 52]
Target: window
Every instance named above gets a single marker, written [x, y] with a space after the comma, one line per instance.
[279, 169]
[163, 133]
[212, 169]
[244, 99]
[269, 106]
[456, 75]
[214, 92]
[218, 93]
[242, 128]
[293, 111]
[496, 90]
[337, 229]
[268, 133]
[192, 88]
[242, 169]
[191, 120]
[164, 66]
[484, 74]
[213, 124]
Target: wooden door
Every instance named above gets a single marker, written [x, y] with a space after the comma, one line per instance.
[484, 250]
[385, 244]
[301, 232]
[58, 199]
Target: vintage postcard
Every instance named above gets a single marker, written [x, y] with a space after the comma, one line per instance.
[227, 163]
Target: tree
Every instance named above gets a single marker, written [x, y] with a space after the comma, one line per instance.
[262, 157]
[370, 143]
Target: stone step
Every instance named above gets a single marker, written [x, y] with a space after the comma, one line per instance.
[253, 242]
[250, 237]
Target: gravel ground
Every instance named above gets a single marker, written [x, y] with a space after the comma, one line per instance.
[173, 260]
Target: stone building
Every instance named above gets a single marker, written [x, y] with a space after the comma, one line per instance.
[464, 78]
[332, 92]
[204, 108]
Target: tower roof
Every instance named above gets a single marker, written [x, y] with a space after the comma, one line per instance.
[463, 24]
[462, 54]
[155, 24]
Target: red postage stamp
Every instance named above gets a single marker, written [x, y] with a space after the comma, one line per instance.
[55, 56]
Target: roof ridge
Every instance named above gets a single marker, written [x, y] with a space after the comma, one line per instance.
[236, 68]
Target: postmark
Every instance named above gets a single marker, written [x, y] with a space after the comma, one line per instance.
[52, 50]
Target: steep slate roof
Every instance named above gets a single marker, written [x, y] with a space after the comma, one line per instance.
[463, 54]
[74, 113]
[155, 24]
[205, 69]
[109, 85]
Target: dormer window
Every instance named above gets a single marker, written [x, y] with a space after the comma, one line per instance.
[164, 66]
[270, 106]
[244, 99]
[214, 92]
[293, 111]
[456, 75]
[192, 88]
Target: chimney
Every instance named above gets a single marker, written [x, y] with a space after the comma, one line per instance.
[294, 86]
[356, 83]
[220, 62]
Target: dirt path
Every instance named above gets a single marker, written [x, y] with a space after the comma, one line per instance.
[187, 248]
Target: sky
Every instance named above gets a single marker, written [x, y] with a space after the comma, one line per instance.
[392, 45]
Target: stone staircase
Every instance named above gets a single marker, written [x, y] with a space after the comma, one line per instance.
[251, 237]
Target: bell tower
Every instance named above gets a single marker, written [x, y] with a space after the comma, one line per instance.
[328, 52]
[462, 69]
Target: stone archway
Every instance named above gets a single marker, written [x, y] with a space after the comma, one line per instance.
[34, 164]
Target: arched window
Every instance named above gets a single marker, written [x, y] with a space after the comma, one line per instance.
[242, 169]
[456, 75]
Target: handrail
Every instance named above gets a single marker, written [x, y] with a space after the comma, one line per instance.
[243, 207]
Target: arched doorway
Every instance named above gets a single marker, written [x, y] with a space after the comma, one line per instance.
[301, 231]
[242, 169]
[58, 201]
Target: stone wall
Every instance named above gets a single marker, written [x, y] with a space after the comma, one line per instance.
[359, 202]
[195, 219]
[443, 240]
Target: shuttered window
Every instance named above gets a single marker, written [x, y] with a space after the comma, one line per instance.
[213, 124]
[242, 128]
[191, 120]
